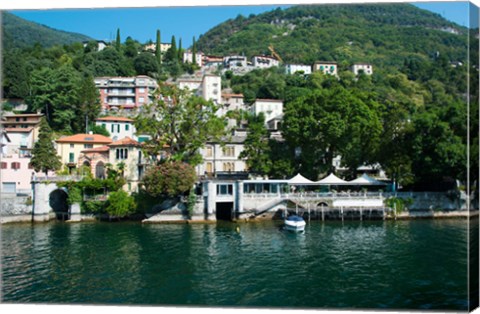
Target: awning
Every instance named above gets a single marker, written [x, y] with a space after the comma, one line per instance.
[299, 179]
[365, 180]
[332, 179]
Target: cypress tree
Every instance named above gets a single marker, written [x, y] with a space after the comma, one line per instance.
[172, 53]
[180, 56]
[194, 51]
[117, 41]
[44, 154]
[158, 49]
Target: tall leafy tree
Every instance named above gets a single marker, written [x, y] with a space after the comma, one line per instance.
[44, 154]
[256, 147]
[179, 124]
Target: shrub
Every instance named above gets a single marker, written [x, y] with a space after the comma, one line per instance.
[169, 179]
[120, 204]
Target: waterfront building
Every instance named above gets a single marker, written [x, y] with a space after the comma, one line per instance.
[18, 136]
[294, 68]
[125, 93]
[222, 159]
[364, 68]
[118, 127]
[126, 151]
[69, 148]
[327, 67]
[271, 108]
[264, 62]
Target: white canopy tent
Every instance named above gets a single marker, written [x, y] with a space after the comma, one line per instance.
[332, 179]
[299, 179]
[365, 180]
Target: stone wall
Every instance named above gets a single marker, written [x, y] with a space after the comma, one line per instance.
[15, 208]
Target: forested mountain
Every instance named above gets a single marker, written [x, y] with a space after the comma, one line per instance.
[20, 33]
[382, 34]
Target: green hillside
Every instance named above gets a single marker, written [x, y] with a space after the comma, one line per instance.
[20, 33]
[382, 34]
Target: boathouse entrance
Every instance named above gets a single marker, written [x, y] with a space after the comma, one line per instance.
[224, 211]
[59, 203]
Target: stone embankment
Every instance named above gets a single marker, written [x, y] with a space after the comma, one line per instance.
[15, 208]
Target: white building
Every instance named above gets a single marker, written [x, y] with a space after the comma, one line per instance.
[188, 58]
[358, 68]
[293, 68]
[211, 88]
[223, 159]
[118, 127]
[235, 61]
[271, 108]
[232, 102]
[263, 62]
[190, 83]
[327, 67]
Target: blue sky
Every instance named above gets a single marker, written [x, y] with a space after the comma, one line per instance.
[183, 22]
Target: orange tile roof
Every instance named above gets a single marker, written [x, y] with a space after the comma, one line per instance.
[100, 149]
[111, 118]
[127, 141]
[232, 95]
[85, 138]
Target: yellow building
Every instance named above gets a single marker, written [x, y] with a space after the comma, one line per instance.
[70, 147]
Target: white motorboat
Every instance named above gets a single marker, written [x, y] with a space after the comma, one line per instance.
[295, 223]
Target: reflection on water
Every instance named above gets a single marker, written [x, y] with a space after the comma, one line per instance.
[369, 264]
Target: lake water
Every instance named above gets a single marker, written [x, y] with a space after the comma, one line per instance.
[418, 264]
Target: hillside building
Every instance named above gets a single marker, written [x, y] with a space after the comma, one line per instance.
[127, 93]
[294, 68]
[118, 127]
[271, 108]
[264, 62]
[327, 67]
[235, 61]
[364, 68]
[188, 58]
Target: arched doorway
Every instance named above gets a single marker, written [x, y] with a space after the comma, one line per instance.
[100, 170]
[58, 201]
[86, 168]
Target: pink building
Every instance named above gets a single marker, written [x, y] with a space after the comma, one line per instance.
[125, 93]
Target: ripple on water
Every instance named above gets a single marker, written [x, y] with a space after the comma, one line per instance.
[389, 265]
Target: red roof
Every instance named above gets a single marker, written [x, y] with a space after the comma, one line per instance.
[112, 118]
[85, 138]
[127, 141]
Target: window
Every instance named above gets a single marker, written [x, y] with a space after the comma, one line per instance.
[228, 166]
[229, 151]
[141, 89]
[209, 151]
[87, 145]
[30, 166]
[141, 100]
[104, 126]
[209, 167]
[15, 165]
[71, 157]
[72, 145]
[118, 128]
[127, 127]
[121, 153]
[225, 189]
[3, 165]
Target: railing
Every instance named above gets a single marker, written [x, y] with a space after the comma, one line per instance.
[58, 178]
[307, 195]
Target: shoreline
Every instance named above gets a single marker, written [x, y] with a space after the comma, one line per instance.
[23, 219]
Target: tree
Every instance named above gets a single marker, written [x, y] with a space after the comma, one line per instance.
[180, 52]
[169, 179]
[158, 48]
[44, 154]
[145, 64]
[194, 51]
[99, 129]
[56, 93]
[118, 43]
[178, 123]
[256, 148]
[89, 101]
[172, 54]
[120, 204]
